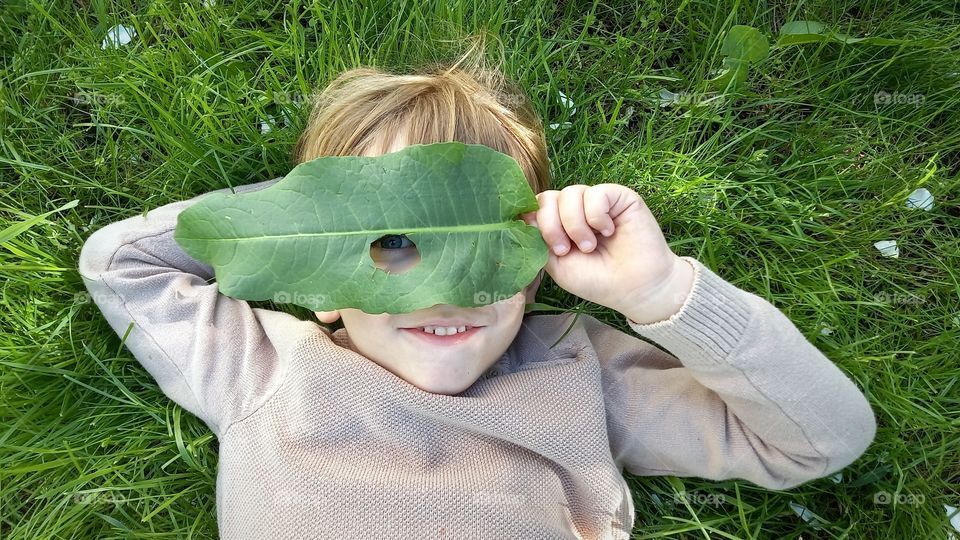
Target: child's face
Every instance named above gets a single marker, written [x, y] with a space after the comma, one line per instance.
[432, 363]
[397, 343]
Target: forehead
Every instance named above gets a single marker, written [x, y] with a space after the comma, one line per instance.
[382, 146]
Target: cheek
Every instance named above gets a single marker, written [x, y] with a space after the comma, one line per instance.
[511, 310]
[367, 327]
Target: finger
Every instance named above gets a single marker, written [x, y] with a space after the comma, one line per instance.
[552, 262]
[548, 221]
[596, 207]
[573, 219]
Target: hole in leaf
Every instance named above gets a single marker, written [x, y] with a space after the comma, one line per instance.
[394, 253]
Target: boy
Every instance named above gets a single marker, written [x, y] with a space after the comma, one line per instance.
[379, 430]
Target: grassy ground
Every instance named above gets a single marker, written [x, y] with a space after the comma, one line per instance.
[782, 187]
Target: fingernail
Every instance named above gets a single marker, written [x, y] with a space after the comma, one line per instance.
[585, 245]
[559, 249]
[606, 232]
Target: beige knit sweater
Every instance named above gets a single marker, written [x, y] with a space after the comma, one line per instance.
[317, 441]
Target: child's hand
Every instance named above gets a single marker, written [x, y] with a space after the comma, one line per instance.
[632, 264]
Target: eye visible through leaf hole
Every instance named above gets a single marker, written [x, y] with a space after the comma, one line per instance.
[394, 253]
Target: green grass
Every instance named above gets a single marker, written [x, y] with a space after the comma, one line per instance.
[782, 188]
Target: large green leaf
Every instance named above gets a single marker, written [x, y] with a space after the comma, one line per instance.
[306, 239]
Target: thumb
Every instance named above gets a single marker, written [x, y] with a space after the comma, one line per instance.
[530, 218]
[552, 261]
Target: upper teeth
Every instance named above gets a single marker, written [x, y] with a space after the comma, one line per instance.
[445, 330]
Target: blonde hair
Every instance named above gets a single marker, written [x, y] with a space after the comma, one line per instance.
[364, 109]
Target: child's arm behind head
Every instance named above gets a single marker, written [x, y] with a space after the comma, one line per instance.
[208, 352]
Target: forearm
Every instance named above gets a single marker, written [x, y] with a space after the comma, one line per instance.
[767, 404]
[208, 352]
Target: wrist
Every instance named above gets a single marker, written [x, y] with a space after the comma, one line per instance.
[667, 300]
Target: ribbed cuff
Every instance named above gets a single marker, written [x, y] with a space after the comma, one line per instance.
[710, 323]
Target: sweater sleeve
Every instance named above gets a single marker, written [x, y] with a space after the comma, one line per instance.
[743, 394]
[208, 352]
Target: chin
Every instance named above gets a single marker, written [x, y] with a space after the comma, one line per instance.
[445, 387]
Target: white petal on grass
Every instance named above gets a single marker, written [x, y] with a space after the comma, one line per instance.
[668, 98]
[564, 125]
[208, 3]
[117, 36]
[837, 478]
[954, 518]
[267, 124]
[567, 103]
[888, 248]
[920, 198]
[806, 515]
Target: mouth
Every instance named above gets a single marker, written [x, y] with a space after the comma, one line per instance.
[443, 335]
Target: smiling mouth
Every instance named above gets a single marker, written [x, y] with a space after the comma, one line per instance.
[441, 339]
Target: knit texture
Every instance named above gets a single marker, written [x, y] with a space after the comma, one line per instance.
[317, 441]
